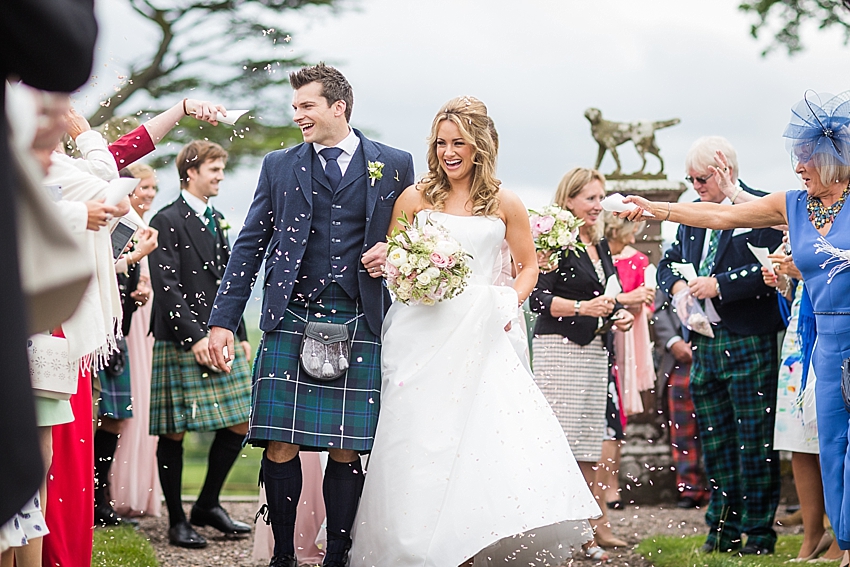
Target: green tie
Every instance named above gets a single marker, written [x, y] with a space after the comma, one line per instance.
[707, 264]
[211, 218]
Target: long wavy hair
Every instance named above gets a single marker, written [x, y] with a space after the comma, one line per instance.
[477, 129]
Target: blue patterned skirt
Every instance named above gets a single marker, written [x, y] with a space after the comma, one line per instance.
[291, 407]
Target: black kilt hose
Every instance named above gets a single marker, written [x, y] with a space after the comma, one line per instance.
[291, 407]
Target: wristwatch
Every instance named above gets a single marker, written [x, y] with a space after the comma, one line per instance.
[577, 306]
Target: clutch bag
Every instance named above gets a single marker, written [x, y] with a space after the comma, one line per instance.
[52, 371]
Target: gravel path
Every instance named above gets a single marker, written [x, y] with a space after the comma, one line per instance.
[632, 524]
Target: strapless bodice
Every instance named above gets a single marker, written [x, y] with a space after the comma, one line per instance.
[480, 236]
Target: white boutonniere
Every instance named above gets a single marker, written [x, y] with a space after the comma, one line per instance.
[224, 224]
[376, 171]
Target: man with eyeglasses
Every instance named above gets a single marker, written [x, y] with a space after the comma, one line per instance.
[733, 379]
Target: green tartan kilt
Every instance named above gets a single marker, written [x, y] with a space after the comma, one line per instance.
[291, 407]
[116, 395]
[186, 396]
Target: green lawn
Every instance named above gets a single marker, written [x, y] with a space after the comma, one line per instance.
[124, 547]
[666, 551]
[242, 480]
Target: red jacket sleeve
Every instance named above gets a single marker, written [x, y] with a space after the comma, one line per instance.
[131, 147]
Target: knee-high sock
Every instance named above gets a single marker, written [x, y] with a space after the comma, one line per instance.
[104, 451]
[341, 488]
[223, 452]
[169, 454]
[283, 490]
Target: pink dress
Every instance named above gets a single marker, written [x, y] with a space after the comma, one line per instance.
[632, 349]
[134, 479]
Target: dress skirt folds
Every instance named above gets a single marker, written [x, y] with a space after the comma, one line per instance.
[469, 460]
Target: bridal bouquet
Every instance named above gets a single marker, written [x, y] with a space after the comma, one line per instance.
[424, 263]
[555, 229]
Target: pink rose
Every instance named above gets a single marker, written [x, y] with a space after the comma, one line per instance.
[440, 260]
[542, 225]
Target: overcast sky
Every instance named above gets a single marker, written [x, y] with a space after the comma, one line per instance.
[538, 64]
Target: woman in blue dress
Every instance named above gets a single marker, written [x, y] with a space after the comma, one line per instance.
[818, 138]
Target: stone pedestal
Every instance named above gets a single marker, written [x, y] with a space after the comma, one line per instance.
[649, 241]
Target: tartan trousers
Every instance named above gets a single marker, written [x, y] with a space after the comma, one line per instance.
[733, 387]
[684, 435]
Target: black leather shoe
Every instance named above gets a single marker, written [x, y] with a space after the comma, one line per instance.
[284, 561]
[105, 516]
[687, 502]
[755, 549]
[182, 535]
[616, 505]
[217, 518]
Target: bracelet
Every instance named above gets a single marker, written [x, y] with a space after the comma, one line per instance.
[668, 211]
[577, 307]
[735, 196]
[185, 112]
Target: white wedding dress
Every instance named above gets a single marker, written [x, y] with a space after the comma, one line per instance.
[469, 459]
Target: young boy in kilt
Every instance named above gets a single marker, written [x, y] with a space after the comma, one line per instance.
[188, 392]
[319, 219]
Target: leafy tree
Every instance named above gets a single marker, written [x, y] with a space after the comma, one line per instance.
[235, 51]
[789, 15]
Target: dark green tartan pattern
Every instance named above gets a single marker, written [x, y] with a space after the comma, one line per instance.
[116, 396]
[733, 387]
[186, 396]
[290, 407]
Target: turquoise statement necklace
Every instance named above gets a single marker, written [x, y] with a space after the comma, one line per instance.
[821, 215]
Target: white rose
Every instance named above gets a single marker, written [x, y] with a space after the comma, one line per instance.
[405, 269]
[405, 285]
[447, 247]
[433, 272]
[423, 279]
[428, 301]
[423, 262]
[397, 257]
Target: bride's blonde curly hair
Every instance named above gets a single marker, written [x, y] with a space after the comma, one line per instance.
[477, 130]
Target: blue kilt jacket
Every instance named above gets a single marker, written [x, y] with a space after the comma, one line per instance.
[748, 306]
[278, 227]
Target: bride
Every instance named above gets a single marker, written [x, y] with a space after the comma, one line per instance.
[469, 465]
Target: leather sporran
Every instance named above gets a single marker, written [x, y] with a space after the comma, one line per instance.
[845, 383]
[325, 351]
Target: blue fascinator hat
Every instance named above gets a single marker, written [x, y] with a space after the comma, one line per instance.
[820, 128]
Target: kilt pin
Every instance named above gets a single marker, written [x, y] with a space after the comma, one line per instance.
[733, 382]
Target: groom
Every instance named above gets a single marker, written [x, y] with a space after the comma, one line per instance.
[319, 220]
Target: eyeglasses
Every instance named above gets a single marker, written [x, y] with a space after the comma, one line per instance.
[701, 180]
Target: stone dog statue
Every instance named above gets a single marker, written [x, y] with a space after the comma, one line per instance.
[609, 135]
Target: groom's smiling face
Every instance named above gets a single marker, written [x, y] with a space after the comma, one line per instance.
[319, 121]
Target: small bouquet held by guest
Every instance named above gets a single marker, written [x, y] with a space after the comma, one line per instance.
[424, 263]
[554, 230]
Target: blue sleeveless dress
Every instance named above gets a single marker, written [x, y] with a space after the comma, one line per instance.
[831, 301]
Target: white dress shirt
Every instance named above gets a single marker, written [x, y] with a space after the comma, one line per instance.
[196, 204]
[348, 145]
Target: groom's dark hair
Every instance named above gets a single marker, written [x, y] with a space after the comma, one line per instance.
[334, 84]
